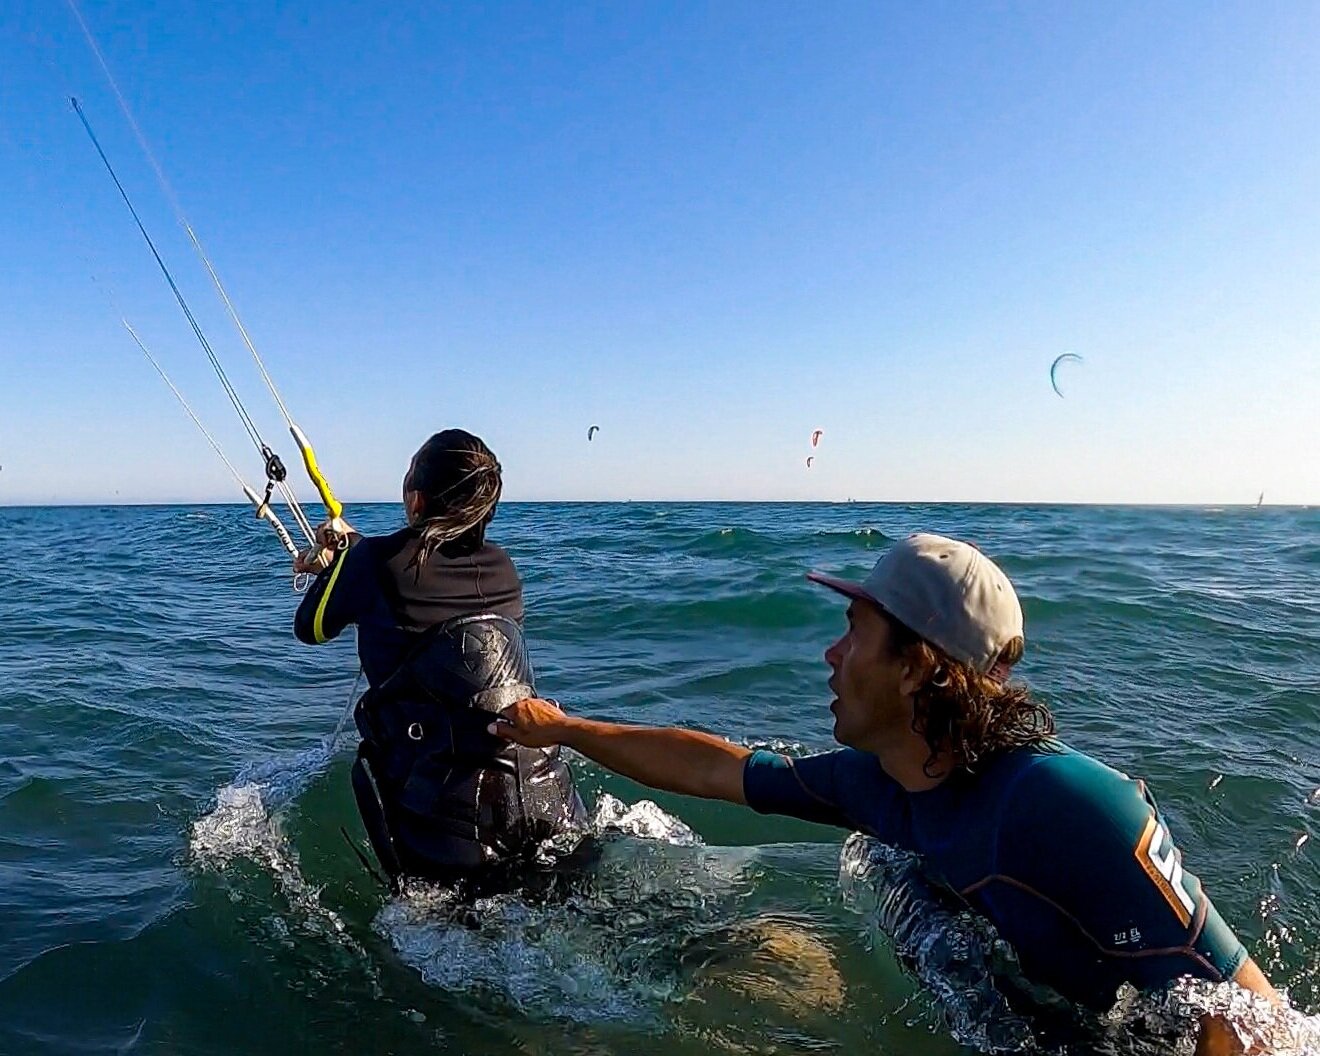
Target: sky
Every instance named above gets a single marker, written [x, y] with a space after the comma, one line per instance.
[707, 228]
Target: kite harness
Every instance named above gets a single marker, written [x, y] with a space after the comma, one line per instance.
[442, 798]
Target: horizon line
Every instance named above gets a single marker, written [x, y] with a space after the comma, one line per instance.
[163, 503]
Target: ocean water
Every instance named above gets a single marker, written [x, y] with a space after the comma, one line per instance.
[174, 801]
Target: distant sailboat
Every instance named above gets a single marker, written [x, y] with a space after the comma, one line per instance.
[1260, 500]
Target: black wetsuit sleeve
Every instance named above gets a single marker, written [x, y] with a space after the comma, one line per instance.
[336, 597]
[1090, 889]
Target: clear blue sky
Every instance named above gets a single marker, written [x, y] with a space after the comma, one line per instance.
[708, 229]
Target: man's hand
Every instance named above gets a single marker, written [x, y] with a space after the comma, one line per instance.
[533, 723]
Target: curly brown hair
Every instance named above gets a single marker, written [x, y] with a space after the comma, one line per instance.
[963, 713]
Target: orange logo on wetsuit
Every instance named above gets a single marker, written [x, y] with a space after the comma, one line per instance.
[1161, 861]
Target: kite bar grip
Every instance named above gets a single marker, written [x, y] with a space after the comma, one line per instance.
[333, 507]
[265, 513]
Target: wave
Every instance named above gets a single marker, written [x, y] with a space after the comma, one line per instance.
[730, 542]
[865, 536]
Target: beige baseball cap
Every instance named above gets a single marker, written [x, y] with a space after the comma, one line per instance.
[946, 591]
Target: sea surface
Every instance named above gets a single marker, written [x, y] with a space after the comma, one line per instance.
[175, 814]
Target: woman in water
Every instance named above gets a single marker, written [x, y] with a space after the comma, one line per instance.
[439, 614]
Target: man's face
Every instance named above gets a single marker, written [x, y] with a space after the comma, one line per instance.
[868, 682]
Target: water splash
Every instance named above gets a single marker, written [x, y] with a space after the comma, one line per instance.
[1260, 1025]
[244, 825]
[547, 962]
[970, 973]
[610, 944]
[777, 745]
[643, 819]
[238, 826]
[954, 952]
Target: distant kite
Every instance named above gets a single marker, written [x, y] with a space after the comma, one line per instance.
[592, 432]
[810, 459]
[816, 435]
[1069, 356]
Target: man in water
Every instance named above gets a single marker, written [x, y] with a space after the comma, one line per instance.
[946, 757]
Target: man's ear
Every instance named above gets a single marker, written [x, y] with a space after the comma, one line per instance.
[914, 674]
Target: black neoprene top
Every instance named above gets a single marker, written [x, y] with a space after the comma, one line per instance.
[371, 585]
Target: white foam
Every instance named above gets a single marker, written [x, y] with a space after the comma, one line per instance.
[546, 961]
[242, 822]
[642, 819]
[1260, 1025]
[244, 825]
[777, 745]
[605, 952]
[239, 826]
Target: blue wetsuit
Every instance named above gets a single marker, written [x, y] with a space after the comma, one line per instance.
[1070, 860]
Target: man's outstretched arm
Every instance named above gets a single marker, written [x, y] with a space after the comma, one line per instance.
[667, 758]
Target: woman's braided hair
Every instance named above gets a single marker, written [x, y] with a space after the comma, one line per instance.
[459, 480]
